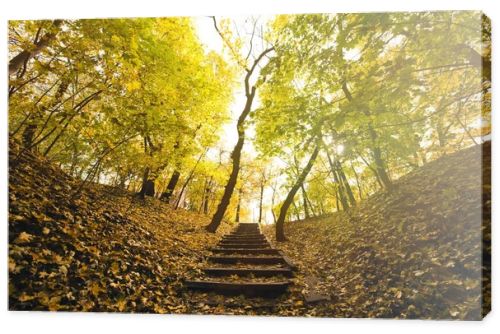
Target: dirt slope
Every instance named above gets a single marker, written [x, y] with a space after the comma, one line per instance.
[414, 252]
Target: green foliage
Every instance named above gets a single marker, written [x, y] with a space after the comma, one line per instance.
[151, 77]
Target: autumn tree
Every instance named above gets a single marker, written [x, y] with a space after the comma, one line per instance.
[250, 67]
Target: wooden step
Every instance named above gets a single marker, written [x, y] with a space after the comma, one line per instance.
[263, 289]
[247, 259]
[270, 251]
[247, 232]
[257, 272]
[243, 237]
[244, 241]
[238, 245]
[237, 237]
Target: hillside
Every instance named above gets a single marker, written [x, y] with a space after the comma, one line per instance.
[411, 253]
[103, 250]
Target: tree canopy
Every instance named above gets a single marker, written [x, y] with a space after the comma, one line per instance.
[334, 107]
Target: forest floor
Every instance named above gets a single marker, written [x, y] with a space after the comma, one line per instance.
[414, 252]
[411, 253]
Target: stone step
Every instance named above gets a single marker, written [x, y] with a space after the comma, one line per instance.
[238, 245]
[262, 289]
[257, 272]
[247, 259]
[269, 251]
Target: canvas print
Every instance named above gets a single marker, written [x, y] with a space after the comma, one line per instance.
[325, 165]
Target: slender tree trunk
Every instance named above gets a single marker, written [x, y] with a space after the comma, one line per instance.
[309, 203]
[304, 201]
[236, 154]
[148, 185]
[296, 211]
[260, 201]
[321, 207]
[190, 177]
[346, 184]
[337, 204]
[167, 194]
[207, 195]
[24, 56]
[233, 177]
[32, 126]
[181, 192]
[336, 178]
[379, 162]
[360, 193]
[280, 233]
[376, 152]
[238, 207]
[272, 203]
[377, 178]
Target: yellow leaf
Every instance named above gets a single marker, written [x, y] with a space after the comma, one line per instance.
[115, 268]
[23, 237]
[54, 303]
[121, 303]
[12, 265]
[95, 288]
[24, 297]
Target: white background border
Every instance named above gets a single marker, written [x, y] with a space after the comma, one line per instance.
[45, 322]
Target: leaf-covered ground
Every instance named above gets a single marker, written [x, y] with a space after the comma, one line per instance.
[411, 253]
[102, 251]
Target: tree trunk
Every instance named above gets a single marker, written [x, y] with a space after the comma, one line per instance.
[280, 233]
[296, 211]
[377, 154]
[260, 201]
[379, 162]
[337, 205]
[272, 202]
[311, 207]
[24, 56]
[360, 193]
[32, 126]
[304, 201]
[346, 184]
[233, 178]
[148, 185]
[238, 207]
[167, 194]
[340, 188]
[190, 177]
[207, 195]
[236, 154]
[183, 189]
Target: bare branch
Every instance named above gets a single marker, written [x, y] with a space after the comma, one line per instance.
[251, 40]
[228, 44]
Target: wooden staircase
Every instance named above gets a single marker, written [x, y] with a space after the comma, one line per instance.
[244, 263]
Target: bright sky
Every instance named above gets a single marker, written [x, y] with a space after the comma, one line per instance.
[210, 38]
[212, 41]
